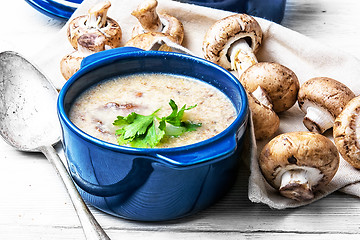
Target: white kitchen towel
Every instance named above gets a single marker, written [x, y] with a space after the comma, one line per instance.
[306, 57]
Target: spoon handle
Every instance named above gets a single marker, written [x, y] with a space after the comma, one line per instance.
[91, 227]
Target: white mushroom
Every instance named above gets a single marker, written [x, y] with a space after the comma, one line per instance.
[96, 21]
[346, 132]
[87, 44]
[232, 42]
[322, 99]
[299, 163]
[266, 122]
[279, 82]
[151, 21]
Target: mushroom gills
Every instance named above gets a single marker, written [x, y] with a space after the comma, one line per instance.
[317, 119]
[296, 182]
[241, 56]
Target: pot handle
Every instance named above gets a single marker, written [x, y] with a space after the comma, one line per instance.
[107, 53]
[221, 148]
[190, 158]
[136, 177]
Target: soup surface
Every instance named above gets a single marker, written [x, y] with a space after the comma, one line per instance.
[96, 109]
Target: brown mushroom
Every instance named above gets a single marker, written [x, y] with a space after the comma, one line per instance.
[346, 132]
[299, 163]
[232, 42]
[156, 41]
[151, 21]
[95, 22]
[322, 99]
[87, 44]
[279, 82]
[266, 122]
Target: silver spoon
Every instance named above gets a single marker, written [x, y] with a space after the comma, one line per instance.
[28, 122]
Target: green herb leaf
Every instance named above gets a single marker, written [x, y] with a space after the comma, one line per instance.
[190, 126]
[121, 121]
[154, 134]
[148, 131]
[175, 118]
[172, 130]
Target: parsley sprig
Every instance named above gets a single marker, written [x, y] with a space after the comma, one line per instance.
[147, 131]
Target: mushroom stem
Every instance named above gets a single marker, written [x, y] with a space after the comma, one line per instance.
[97, 15]
[262, 97]
[295, 185]
[241, 56]
[317, 119]
[148, 17]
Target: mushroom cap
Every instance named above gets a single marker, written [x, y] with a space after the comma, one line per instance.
[266, 121]
[149, 41]
[326, 93]
[224, 32]
[346, 132]
[70, 64]
[279, 82]
[112, 31]
[88, 43]
[173, 27]
[299, 150]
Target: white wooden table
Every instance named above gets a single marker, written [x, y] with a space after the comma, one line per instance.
[34, 203]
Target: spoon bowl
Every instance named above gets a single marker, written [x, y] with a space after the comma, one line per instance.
[28, 122]
[28, 117]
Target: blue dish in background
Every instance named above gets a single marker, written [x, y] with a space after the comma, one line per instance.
[152, 184]
[272, 10]
[59, 9]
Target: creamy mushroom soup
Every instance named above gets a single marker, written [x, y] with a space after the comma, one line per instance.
[96, 109]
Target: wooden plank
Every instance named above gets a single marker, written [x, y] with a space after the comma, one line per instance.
[34, 203]
[331, 22]
[39, 204]
[235, 213]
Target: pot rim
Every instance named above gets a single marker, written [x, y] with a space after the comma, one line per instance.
[231, 130]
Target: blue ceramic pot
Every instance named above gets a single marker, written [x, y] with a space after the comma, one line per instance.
[269, 9]
[151, 184]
